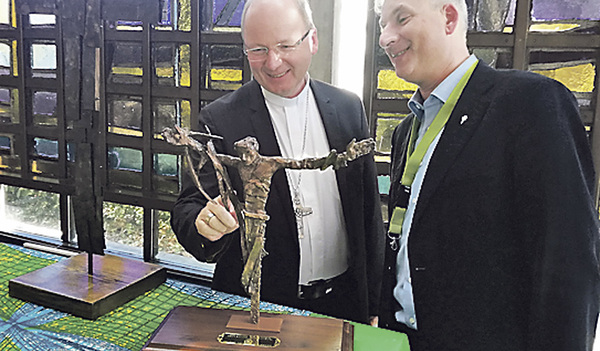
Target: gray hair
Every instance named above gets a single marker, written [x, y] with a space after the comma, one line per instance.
[461, 6]
[302, 5]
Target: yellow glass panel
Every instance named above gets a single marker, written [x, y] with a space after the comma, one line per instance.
[133, 71]
[2, 165]
[388, 80]
[185, 16]
[552, 27]
[578, 78]
[228, 75]
[227, 29]
[13, 14]
[15, 61]
[163, 72]
[383, 158]
[225, 86]
[34, 167]
[185, 54]
[125, 131]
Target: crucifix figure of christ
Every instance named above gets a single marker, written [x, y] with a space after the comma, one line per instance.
[256, 172]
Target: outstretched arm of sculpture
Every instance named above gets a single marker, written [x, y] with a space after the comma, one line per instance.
[353, 151]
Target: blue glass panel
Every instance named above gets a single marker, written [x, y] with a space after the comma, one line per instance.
[165, 13]
[228, 13]
[125, 159]
[45, 148]
[571, 9]
[5, 143]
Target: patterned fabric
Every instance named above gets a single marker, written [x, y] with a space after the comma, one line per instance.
[26, 326]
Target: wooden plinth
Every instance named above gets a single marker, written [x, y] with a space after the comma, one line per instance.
[66, 285]
[196, 328]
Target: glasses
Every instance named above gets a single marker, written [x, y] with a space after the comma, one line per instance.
[260, 53]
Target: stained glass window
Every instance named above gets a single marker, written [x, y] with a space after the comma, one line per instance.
[44, 108]
[125, 115]
[9, 105]
[5, 58]
[125, 62]
[43, 60]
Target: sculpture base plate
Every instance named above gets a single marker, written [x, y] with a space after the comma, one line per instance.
[66, 285]
[197, 328]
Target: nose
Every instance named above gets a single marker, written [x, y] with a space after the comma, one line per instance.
[386, 38]
[273, 58]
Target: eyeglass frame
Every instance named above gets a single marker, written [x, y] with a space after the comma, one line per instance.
[288, 48]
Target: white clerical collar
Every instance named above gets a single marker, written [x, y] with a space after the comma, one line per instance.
[281, 101]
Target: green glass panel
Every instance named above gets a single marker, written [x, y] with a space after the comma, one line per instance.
[124, 159]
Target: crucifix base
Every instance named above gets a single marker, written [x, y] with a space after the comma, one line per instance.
[66, 285]
[197, 328]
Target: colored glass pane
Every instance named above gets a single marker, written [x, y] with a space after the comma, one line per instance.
[488, 16]
[227, 14]
[125, 62]
[168, 113]
[559, 10]
[223, 71]
[5, 58]
[171, 65]
[43, 60]
[9, 105]
[44, 108]
[41, 20]
[579, 78]
[124, 159]
[185, 15]
[166, 165]
[4, 12]
[125, 115]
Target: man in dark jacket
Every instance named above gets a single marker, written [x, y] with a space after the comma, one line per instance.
[330, 259]
[494, 232]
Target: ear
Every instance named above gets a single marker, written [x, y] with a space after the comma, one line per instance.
[313, 42]
[452, 18]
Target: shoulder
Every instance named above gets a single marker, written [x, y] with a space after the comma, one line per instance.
[325, 90]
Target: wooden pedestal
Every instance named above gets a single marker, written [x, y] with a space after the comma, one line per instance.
[196, 328]
[66, 285]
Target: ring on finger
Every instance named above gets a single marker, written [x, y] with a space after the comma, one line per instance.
[208, 218]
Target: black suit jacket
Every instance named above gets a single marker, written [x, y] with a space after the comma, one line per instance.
[244, 113]
[503, 247]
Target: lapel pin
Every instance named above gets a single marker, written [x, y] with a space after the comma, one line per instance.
[463, 119]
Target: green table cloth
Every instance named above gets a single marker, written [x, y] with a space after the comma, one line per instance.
[26, 326]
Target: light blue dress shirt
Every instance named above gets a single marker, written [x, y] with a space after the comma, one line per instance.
[425, 111]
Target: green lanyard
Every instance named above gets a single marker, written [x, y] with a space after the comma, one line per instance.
[414, 158]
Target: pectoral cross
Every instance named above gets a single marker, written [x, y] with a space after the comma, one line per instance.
[300, 212]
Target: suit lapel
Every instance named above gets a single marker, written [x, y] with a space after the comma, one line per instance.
[459, 129]
[334, 128]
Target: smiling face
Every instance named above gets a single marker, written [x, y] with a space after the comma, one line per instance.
[421, 40]
[269, 23]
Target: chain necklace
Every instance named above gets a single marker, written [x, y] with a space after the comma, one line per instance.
[299, 210]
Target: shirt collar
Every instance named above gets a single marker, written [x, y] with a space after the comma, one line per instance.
[443, 90]
[281, 101]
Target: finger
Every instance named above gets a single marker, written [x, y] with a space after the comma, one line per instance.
[203, 225]
[223, 215]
